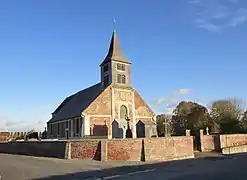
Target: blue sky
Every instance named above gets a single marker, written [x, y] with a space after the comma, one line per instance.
[180, 50]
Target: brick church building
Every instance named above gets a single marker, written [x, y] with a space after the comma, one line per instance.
[111, 108]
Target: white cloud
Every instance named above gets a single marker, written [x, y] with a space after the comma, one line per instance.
[172, 98]
[217, 15]
[162, 100]
[29, 118]
[241, 17]
[171, 101]
[183, 91]
[169, 111]
[210, 27]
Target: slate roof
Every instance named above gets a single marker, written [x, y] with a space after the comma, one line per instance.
[73, 105]
[115, 52]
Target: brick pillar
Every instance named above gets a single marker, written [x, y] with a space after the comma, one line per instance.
[201, 140]
[187, 132]
[68, 150]
[104, 150]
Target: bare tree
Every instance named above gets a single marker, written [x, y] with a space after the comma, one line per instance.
[244, 120]
[227, 114]
[232, 107]
[238, 105]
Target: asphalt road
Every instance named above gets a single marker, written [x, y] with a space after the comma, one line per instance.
[218, 167]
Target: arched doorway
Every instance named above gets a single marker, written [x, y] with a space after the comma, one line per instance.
[124, 118]
[119, 126]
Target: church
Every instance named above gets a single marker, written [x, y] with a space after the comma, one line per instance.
[111, 108]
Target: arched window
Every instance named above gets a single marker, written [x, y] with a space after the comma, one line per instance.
[123, 112]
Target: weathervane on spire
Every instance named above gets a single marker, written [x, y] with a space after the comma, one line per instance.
[114, 24]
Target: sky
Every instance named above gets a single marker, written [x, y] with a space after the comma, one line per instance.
[180, 50]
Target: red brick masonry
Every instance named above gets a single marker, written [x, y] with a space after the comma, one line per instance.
[210, 143]
[172, 148]
[86, 149]
[43, 149]
[218, 142]
[124, 149]
[230, 140]
[153, 149]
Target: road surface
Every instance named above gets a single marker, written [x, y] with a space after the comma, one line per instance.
[33, 168]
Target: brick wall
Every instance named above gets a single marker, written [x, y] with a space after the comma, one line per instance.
[217, 142]
[43, 149]
[152, 149]
[124, 149]
[172, 148]
[148, 149]
[86, 149]
[210, 143]
[228, 140]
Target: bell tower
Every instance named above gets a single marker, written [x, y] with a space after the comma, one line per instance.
[115, 69]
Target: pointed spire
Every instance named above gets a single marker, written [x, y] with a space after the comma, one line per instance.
[114, 52]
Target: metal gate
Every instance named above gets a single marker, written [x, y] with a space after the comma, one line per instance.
[196, 140]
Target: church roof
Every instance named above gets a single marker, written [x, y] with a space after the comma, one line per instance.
[115, 53]
[73, 105]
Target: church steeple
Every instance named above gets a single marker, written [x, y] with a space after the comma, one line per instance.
[115, 69]
[115, 53]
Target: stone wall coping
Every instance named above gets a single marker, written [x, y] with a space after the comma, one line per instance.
[172, 137]
[35, 141]
[108, 140]
[152, 138]
[128, 139]
[209, 135]
[86, 140]
[117, 139]
[233, 134]
[236, 145]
